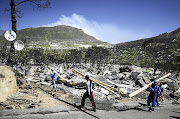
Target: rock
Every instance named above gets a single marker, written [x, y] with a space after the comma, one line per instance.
[142, 83]
[134, 75]
[178, 77]
[44, 83]
[127, 75]
[110, 97]
[48, 78]
[21, 83]
[8, 84]
[121, 76]
[124, 69]
[158, 72]
[172, 85]
[146, 80]
[110, 77]
[106, 72]
[104, 91]
[164, 86]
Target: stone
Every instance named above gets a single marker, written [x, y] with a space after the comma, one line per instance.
[8, 84]
[173, 85]
[104, 91]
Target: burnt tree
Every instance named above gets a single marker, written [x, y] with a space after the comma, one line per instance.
[38, 3]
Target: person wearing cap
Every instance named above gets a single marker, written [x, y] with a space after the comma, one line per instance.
[88, 94]
[153, 95]
[54, 78]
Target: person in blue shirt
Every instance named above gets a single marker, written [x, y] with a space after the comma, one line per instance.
[153, 95]
[54, 78]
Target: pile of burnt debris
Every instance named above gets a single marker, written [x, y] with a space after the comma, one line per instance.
[35, 86]
[125, 78]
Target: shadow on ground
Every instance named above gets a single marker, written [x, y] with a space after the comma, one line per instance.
[72, 104]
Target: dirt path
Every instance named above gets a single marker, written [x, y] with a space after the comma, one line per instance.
[38, 96]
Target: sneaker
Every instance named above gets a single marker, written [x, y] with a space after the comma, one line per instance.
[94, 110]
[80, 106]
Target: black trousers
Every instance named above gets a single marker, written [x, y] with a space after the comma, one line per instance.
[86, 95]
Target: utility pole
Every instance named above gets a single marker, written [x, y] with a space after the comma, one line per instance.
[13, 20]
[13, 17]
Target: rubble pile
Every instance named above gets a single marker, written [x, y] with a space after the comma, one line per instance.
[121, 77]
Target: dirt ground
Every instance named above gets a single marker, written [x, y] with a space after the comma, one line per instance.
[36, 96]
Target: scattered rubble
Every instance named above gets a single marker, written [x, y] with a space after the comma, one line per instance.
[124, 78]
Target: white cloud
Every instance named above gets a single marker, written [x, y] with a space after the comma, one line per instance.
[104, 32]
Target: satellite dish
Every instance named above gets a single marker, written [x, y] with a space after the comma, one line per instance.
[18, 45]
[10, 35]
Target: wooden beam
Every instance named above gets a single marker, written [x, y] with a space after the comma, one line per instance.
[118, 90]
[146, 86]
[99, 83]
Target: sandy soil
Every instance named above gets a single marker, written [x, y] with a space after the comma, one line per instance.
[37, 97]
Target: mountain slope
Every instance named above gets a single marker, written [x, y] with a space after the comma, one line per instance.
[2, 32]
[59, 36]
[167, 38]
[162, 51]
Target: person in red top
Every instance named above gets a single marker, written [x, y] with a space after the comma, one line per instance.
[88, 94]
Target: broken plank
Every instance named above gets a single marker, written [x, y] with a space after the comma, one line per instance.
[99, 83]
[146, 86]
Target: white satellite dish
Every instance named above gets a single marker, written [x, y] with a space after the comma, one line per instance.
[18, 45]
[10, 35]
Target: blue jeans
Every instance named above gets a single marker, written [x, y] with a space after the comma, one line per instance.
[54, 84]
[153, 103]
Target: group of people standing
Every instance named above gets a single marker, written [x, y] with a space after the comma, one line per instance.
[154, 95]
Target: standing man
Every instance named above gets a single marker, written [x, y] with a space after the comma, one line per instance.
[54, 78]
[152, 96]
[88, 93]
[156, 65]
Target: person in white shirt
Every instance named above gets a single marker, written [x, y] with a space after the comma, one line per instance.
[88, 93]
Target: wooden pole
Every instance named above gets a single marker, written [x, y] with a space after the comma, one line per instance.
[11, 57]
[99, 83]
[146, 86]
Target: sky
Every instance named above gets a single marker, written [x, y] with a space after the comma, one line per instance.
[112, 21]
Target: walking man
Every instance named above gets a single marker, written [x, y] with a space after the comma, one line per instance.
[152, 96]
[88, 94]
[54, 78]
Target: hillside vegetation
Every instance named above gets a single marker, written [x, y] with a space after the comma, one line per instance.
[57, 37]
[162, 51]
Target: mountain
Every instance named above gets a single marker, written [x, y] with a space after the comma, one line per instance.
[58, 37]
[2, 32]
[166, 38]
[162, 51]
